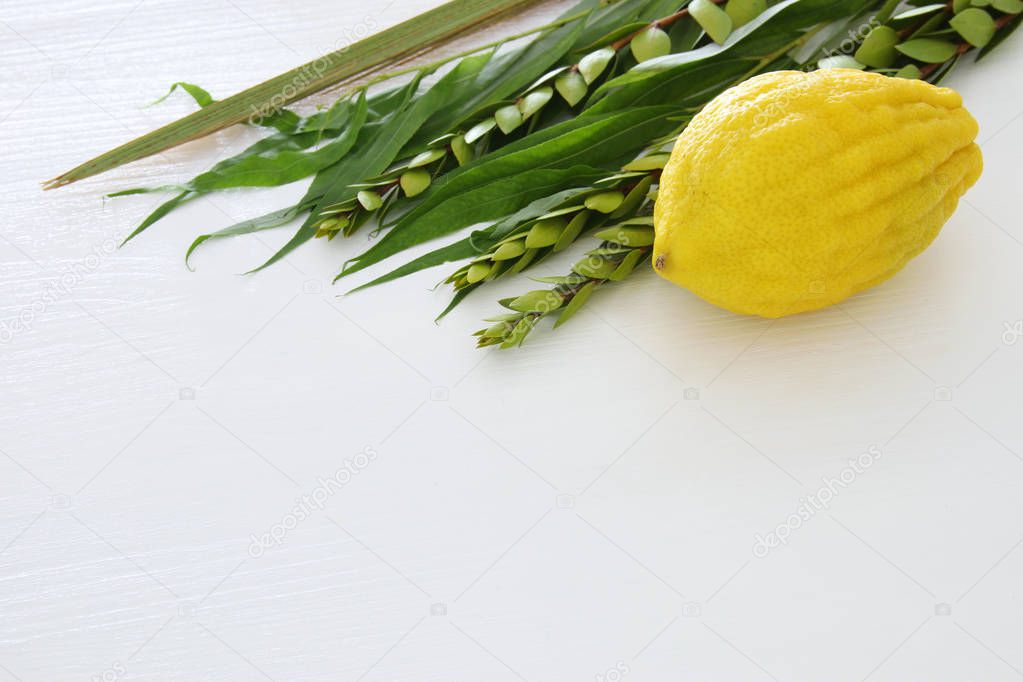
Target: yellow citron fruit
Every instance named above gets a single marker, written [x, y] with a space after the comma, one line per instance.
[793, 191]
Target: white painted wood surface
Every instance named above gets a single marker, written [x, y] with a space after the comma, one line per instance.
[585, 507]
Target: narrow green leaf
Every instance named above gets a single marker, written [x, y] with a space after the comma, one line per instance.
[540, 301]
[478, 242]
[201, 97]
[635, 198]
[685, 35]
[511, 71]
[522, 263]
[281, 165]
[648, 163]
[909, 16]
[669, 78]
[563, 279]
[377, 150]
[628, 264]
[520, 332]
[576, 304]
[265, 222]
[388, 46]
[520, 173]
[572, 231]
[162, 210]
[426, 158]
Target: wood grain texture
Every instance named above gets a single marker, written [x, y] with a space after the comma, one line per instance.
[208, 476]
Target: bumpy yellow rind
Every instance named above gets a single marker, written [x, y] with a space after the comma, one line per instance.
[793, 191]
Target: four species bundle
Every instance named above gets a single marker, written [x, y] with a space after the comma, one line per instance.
[560, 137]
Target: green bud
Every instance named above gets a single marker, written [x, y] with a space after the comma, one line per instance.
[545, 232]
[572, 87]
[744, 11]
[415, 182]
[605, 202]
[714, 20]
[329, 228]
[509, 250]
[650, 44]
[535, 101]
[370, 201]
[878, 48]
[479, 130]
[477, 272]
[593, 64]
[539, 301]
[497, 331]
[508, 118]
[462, 150]
[426, 158]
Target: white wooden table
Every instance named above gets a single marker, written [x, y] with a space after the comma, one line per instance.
[584, 509]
